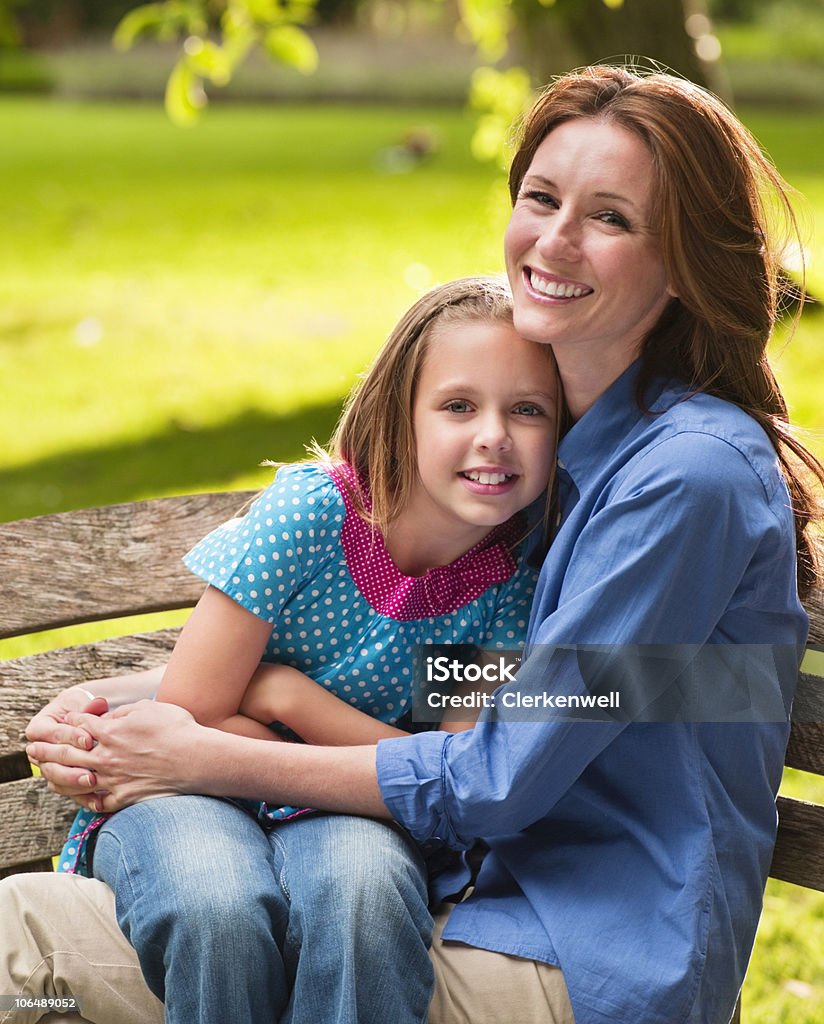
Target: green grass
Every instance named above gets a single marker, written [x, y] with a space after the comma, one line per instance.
[177, 305]
[777, 59]
[784, 30]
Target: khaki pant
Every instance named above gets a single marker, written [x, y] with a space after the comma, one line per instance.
[476, 986]
[59, 938]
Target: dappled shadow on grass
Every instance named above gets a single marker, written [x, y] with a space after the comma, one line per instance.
[174, 461]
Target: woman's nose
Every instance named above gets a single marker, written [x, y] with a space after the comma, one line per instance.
[559, 238]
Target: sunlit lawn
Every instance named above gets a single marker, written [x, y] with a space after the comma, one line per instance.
[177, 305]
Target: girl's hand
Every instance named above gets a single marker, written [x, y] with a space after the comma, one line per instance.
[142, 751]
[50, 723]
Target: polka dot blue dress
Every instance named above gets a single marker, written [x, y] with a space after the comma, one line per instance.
[341, 610]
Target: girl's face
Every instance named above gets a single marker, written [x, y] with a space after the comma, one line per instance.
[484, 423]
[584, 264]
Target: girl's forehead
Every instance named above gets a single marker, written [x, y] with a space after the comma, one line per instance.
[467, 348]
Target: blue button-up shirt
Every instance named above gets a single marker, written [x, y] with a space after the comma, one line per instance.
[632, 855]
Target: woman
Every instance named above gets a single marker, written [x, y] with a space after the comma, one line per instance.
[625, 860]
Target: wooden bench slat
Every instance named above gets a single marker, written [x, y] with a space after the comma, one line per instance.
[104, 563]
[27, 684]
[29, 866]
[35, 822]
[799, 849]
[806, 747]
[815, 607]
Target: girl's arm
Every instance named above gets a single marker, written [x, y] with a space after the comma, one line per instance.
[215, 657]
[125, 689]
[280, 693]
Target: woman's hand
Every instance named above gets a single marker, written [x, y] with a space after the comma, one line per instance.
[141, 751]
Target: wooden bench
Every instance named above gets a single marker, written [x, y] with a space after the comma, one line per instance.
[105, 563]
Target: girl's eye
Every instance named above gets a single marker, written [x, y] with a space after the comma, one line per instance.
[614, 219]
[457, 405]
[528, 409]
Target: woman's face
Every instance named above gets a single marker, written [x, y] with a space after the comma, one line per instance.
[583, 261]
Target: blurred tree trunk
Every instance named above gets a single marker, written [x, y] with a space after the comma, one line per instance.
[571, 33]
[50, 23]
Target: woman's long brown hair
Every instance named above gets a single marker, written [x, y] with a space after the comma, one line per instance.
[724, 217]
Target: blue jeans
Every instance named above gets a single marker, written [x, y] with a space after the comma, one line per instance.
[323, 920]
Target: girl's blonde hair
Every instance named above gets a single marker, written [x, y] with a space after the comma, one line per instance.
[715, 205]
[375, 432]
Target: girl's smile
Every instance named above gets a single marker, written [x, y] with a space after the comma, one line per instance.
[489, 480]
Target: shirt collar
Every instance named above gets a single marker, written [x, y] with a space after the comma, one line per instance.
[605, 425]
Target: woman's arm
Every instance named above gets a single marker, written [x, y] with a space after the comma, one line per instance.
[150, 749]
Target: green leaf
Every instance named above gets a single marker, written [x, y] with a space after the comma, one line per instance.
[263, 11]
[489, 137]
[488, 23]
[291, 45]
[500, 97]
[239, 35]
[137, 22]
[164, 20]
[208, 60]
[184, 94]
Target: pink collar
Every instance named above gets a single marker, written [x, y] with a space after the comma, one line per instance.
[441, 590]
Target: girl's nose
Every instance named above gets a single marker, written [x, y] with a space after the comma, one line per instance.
[493, 434]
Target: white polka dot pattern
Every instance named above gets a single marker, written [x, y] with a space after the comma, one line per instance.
[284, 562]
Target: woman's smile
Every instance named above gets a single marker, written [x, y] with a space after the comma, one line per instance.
[548, 286]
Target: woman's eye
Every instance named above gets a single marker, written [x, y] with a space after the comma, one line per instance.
[544, 198]
[457, 405]
[613, 219]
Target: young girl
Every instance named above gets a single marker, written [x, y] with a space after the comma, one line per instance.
[411, 531]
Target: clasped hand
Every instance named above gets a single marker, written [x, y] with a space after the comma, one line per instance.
[107, 760]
